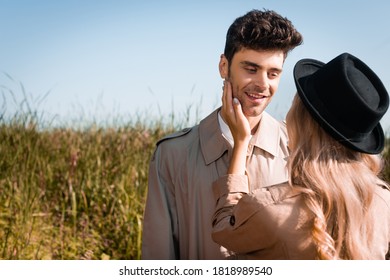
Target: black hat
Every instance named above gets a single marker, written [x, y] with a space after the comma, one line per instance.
[346, 98]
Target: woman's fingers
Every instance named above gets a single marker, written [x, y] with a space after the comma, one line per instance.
[233, 115]
[242, 129]
[227, 102]
[238, 110]
[228, 96]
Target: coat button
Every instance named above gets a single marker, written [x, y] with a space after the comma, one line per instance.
[232, 220]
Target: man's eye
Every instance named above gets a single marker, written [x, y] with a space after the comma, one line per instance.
[273, 74]
[251, 70]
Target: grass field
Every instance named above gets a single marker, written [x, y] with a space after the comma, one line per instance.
[73, 193]
[68, 193]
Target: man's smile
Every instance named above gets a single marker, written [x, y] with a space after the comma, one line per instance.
[254, 96]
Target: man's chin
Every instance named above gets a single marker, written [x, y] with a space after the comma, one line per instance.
[253, 114]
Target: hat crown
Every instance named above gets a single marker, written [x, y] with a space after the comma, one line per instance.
[351, 93]
[345, 96]
[363, 86]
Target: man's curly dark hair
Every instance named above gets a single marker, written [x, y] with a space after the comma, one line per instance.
[261, 30]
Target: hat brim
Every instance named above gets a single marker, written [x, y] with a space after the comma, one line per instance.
[373, 143]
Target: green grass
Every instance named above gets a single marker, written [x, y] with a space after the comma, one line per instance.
[73, 193]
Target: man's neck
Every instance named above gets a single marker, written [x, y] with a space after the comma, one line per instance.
[254, 123]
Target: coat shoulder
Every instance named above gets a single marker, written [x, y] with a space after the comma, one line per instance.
[175, 135]
[176, 144]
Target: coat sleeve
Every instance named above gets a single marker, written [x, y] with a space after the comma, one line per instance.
[238, 223]
[159, 235]
[228, 190]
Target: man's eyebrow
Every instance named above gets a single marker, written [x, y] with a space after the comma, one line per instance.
[249, 63]
[252, 64]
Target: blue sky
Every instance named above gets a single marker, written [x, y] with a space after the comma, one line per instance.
[103, 59]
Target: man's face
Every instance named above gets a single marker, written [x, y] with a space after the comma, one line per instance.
[254, 76]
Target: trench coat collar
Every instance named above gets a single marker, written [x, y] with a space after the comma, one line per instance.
[214, 145]
[267, 136]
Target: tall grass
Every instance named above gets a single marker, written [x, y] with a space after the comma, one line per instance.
[74, 193]
[67, 194]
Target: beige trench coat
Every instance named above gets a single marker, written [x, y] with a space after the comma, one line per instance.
[272, 222]
[180, 203]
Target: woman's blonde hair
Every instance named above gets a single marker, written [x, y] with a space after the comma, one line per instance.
[338, 183]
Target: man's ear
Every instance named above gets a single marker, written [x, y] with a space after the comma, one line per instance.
[223, 67]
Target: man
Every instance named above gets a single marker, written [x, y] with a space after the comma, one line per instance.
[180, 205]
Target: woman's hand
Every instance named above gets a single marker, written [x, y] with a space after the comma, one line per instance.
[239, 127]
[233, 116]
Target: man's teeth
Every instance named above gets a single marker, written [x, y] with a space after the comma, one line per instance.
[255, 95]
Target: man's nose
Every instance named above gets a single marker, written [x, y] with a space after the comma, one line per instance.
[261, 82]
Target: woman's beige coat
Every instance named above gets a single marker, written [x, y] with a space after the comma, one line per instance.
[273, 223]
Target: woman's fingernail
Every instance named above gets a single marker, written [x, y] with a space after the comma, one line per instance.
[235, 101]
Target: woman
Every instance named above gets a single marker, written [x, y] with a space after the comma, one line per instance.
[334, 206]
